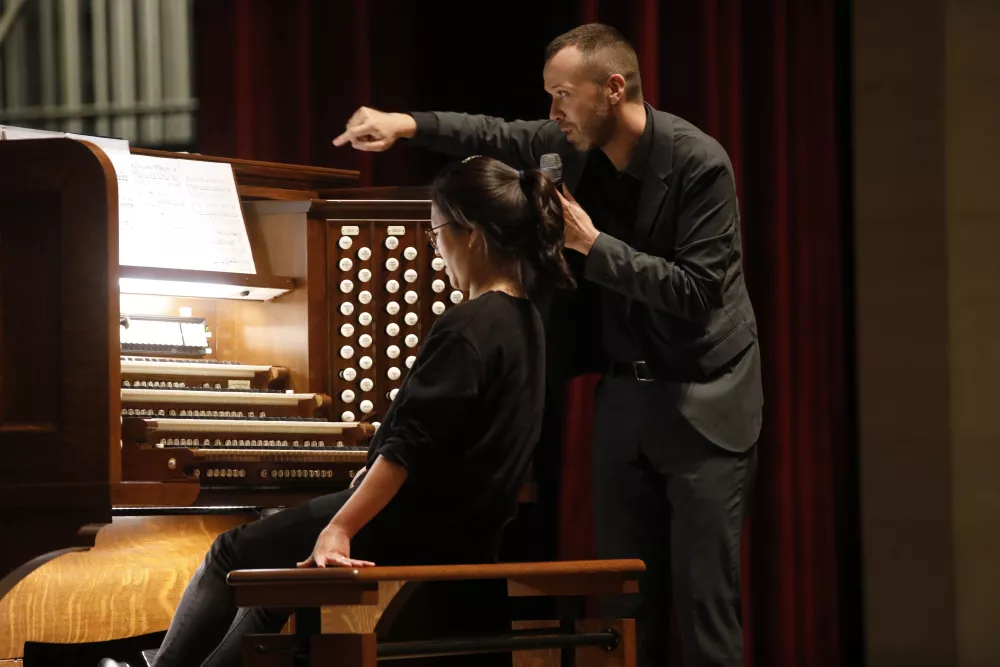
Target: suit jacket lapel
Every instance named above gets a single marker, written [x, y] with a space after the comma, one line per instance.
[654, 185]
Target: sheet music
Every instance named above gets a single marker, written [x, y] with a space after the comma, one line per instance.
[10, 132]
[172, 213]
[185, 214]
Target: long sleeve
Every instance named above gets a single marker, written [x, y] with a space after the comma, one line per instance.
[434, 403]
[691, 284]
[519, 143]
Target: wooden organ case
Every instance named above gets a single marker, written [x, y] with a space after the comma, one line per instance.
[145, 410]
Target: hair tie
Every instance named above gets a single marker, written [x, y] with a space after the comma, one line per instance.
[520, 175]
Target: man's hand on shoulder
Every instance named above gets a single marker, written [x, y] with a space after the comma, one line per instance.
[372, 130]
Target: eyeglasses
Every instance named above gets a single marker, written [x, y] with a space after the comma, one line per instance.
[432, 237]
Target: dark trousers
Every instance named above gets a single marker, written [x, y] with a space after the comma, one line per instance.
[207, 628]
[666, 495]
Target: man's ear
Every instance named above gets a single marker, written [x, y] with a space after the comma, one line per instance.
[616, 88]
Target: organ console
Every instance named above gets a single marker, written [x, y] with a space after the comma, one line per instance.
[145, 409]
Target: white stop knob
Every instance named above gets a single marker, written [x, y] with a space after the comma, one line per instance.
[438, 285]
[346, 264]
[392, 351]
[346, 286]
[392, 329]
[366, 406]
[347, 352]
[365, 297]
[393, 373]
[392, 243]
[366, 384]
[392, 307]
[365, 362]
[456, 297]
[392, 263]
[410, 275]
[437, 264]
[364, 275]
[410, 361]
[364, 319]
[347, 308]
[364, 254]
[438, 307]
[347, 396]
[345, 242]
[410, 253]
[347, 416]
[347, 330]
[411, 340]
[365, 340]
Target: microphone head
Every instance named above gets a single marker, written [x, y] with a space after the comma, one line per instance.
[551, 165]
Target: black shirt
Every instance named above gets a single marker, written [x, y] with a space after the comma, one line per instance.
[465, 422]
[611, 198]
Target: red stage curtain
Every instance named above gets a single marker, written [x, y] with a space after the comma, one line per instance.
[277, 81]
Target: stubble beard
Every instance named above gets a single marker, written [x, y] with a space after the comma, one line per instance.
[597, 130]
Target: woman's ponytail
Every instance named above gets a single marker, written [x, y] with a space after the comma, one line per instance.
[543, 250]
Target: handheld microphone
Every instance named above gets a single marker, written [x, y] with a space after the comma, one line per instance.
[551, 166]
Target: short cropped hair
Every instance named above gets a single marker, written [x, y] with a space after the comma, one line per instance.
[606, 52]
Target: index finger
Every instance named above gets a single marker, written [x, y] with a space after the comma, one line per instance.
[354, 132]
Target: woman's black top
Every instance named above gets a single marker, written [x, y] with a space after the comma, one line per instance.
[465, 423]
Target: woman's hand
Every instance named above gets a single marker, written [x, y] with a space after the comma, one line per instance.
[333, 548]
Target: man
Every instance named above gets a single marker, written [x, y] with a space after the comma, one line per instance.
[652, 222]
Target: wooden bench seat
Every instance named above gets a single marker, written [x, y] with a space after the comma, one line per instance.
[358, 616]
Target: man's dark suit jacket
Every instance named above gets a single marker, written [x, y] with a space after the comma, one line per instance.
[688, 305]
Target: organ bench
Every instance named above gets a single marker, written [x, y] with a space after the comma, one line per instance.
[356, 617]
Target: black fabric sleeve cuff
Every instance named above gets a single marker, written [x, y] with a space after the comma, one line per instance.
[395, 451]
[427, 127]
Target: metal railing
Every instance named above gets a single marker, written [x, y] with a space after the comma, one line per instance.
[113, 68]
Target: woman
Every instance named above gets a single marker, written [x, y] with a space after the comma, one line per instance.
[446, 464]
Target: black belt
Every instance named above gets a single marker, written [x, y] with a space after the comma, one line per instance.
[640, 370]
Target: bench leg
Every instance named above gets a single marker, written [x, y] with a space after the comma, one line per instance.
[595, 656]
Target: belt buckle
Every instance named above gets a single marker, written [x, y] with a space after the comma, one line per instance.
[635, 369]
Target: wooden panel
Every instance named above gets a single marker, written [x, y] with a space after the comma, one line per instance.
[360, 618]
[129, 584]
[973, 203]
[58, 253]
[307, 594]
[30, 289]
[347, 209]
[271, 174]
